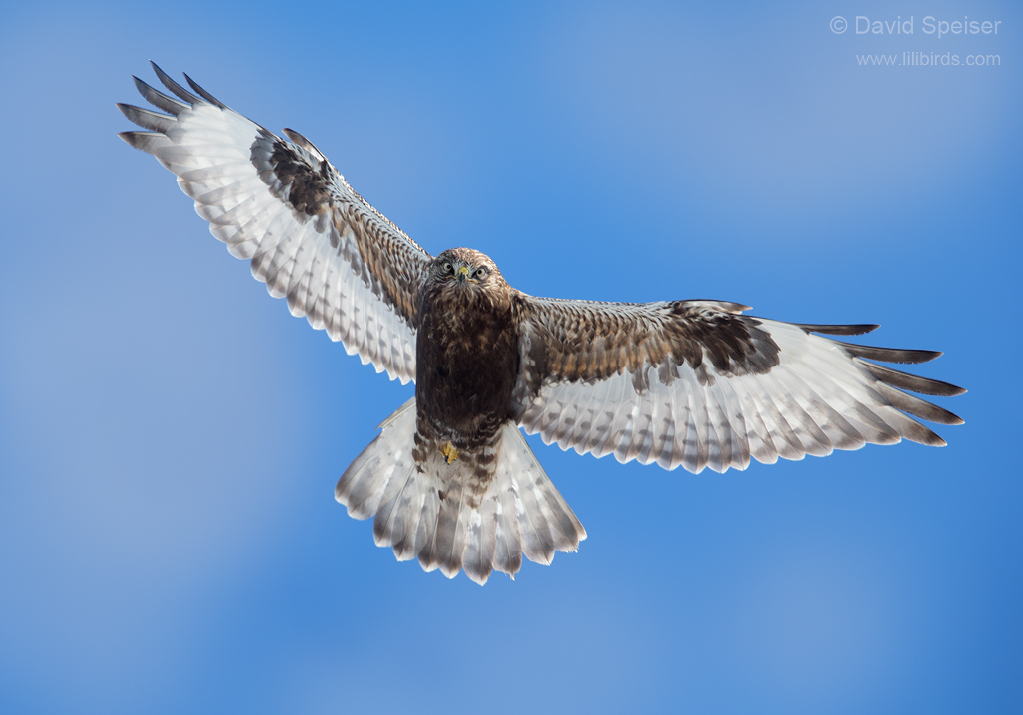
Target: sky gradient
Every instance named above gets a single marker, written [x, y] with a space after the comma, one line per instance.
[170, 436]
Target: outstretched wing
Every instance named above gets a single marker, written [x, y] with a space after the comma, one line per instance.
[697, 384]
[283, 206]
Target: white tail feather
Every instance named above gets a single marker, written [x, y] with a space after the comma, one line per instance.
[427, 514]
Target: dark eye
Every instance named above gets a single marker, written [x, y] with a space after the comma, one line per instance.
[481, 272]
[447, 267]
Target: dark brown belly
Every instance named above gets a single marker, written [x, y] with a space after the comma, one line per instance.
[465, 371]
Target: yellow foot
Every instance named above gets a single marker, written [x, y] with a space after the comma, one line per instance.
[449, 452]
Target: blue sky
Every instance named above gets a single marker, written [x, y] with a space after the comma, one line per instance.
[170, 436]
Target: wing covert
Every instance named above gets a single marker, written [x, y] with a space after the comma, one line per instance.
[282, 206]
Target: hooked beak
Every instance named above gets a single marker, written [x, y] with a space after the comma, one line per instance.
[463, 273]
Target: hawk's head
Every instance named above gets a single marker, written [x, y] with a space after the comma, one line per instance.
[469, 275]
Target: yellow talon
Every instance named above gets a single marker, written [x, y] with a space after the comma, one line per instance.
[449, 452]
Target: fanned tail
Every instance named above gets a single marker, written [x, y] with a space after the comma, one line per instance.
[432, 512]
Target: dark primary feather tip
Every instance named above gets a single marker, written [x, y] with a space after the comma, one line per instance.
[147, 119]
[203, 93]
[906, 381]
[904, 357]
[915, 406]
[148, 142]
[158, 99]
[839, 329]
[174, 86]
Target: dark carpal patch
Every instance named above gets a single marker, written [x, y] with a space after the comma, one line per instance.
[308, 189]
[290, 177]
[734, 344]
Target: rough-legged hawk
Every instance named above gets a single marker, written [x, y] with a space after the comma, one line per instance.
[450, 479]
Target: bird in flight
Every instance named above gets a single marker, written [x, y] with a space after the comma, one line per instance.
[450, 479]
